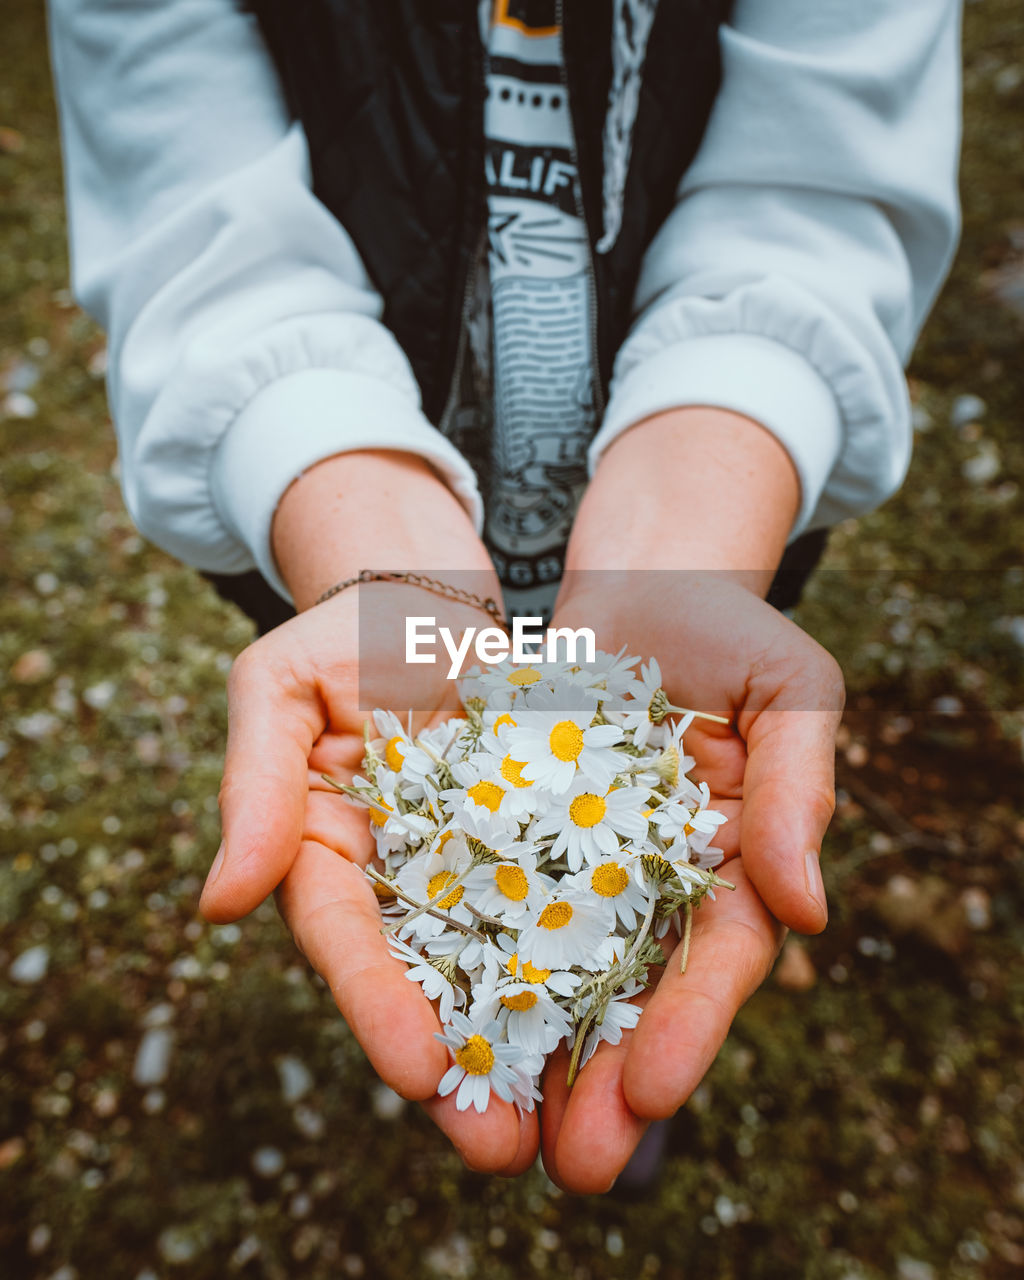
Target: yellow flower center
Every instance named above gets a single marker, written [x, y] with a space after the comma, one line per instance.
[556, 915]
[566, 740]
[530, 973]
[520, 1003]
[438, 884]
[525, 676]
[488, 794]
[476, 1056]
[512, 882]
[395, 759]
[504, 718]
[609, 880]
[511, 771]
[689, 829]
[445, 837]
[383, 891]
[587, 810]
[378, 818]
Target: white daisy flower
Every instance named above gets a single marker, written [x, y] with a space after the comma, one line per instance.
[508, 889]
[435, 985]
[561, 981]
[565, 933]
[426, 877]
[610, 881]
[611, 675]
[685, 822]
[482, 1064]
[469, 953]
[515, 678]
[478, 822]
[493, 783]
[392, 828]
[636, 713]
[530, 1017]
[555, 739]
[587, 823]
[619, 1016]
[524, 1088]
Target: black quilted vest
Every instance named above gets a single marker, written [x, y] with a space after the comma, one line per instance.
[391, 96]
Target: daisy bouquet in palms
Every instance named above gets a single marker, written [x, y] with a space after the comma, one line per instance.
[531, 857]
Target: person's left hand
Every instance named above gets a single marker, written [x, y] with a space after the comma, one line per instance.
[722, 650]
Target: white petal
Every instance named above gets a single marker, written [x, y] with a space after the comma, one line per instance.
[450, 1079]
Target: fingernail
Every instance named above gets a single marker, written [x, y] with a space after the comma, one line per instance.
[815, 884]
[214, 871]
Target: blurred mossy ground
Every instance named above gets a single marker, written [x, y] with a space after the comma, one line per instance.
[863, 1120]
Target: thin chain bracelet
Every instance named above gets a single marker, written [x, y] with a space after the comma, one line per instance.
[489, 605]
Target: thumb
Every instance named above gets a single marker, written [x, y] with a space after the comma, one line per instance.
[274, 718]
[792, 714]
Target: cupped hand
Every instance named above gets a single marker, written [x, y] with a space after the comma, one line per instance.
[293, 716]
[721, 650]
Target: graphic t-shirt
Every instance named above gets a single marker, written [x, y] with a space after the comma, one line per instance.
[531, 317]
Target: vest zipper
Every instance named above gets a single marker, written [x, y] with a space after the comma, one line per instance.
[596, 385]
[452, 403]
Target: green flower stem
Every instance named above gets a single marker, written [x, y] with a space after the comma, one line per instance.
[423, 908]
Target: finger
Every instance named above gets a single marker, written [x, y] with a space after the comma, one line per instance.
[734, 944]
[590, 1130]
[498, 1141]
[332, 912]
[273, 720]
[335, 821]
[789, 787]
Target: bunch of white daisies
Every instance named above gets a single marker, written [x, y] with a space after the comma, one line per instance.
[532, 855]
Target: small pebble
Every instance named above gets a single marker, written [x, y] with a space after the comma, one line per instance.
[176, 1246]
[296, 1079]
[309, 1123]
[725, 1211]
[100, 696]
[387, 1105]
[267, 1162]
[921, 419]
[39, 1239]
[914, 1269]
[36, 727]
[31, 965]
[17, 404]
[160, 1015]
[21, 376]
[967, 408]
[977, 907]
[153, 1059]
[983, 466]
[33, 665]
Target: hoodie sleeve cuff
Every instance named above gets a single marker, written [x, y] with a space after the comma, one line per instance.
[751, 375]
[303, 418]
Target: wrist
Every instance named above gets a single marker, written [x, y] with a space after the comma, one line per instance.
[692, 488]
[373, 510]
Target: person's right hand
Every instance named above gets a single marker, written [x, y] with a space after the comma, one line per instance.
[292, 704]
[294, 715]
